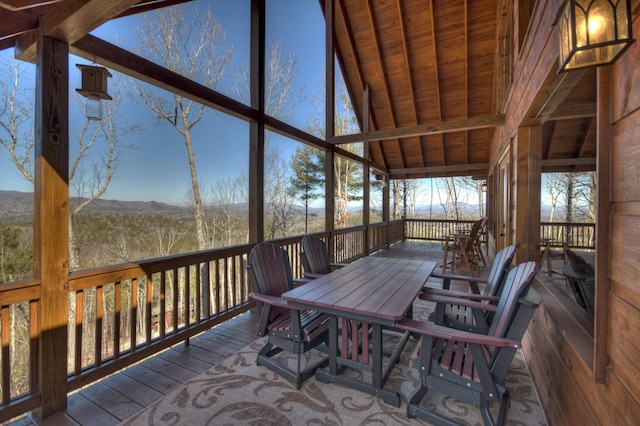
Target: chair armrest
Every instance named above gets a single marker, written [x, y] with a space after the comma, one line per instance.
[270, 300]
[441, 332]
[460, 302]
[300, 281]
[458, 277]
[312, 275]
[429, 291]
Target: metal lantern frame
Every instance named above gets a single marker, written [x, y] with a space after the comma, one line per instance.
[593, 32]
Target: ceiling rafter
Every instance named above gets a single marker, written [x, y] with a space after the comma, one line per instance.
[438, 98]
[407, 62]
[466, 74]
[441, 127]
[381, 64]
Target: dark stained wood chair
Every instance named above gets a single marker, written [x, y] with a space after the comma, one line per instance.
[288, 329]
[469, 366]
[448, 313]
[580, 276]
[462, 248]
[315, 257]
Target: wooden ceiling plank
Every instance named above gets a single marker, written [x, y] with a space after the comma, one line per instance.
[571, 112]
[69, 22]
[425, 129]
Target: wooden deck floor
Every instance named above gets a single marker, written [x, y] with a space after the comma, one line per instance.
[119, 396]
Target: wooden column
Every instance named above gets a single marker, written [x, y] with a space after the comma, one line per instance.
[528, 178]
[330, 73]
[603, 224]
[51, 219]
[256, 144]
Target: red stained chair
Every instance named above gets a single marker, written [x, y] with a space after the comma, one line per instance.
[315, 258]
[448, 313]
[472, 366]
[288, 329]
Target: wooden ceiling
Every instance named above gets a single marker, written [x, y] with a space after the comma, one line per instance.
[423, 69]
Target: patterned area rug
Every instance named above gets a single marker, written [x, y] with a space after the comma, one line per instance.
[238, 392]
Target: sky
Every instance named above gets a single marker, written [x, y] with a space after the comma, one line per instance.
[155, 166]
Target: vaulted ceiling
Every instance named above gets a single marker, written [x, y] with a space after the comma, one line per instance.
[421, 74]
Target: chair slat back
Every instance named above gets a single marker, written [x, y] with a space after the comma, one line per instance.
[499, 269]
[517, 284]
[316, 255]
[270, 269]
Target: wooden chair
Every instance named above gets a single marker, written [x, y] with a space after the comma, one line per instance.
[548, 255]
[448, 313]
[580, 276]
[472, 366]
[315, 258]
[462, 248]
[288, 329]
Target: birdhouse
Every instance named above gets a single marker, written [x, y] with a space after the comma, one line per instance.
[94, 88]
[94, 81]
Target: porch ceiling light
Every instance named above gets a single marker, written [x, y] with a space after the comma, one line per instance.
[94, 88]
[593, 32]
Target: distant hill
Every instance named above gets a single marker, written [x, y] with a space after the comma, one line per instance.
[17, 205]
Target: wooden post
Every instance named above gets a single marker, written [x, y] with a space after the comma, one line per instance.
[529, 170]
[256, 144]
[329, 165]
[603, 224]
[51, 219]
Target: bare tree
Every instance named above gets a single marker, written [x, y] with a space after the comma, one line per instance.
[280, 212]
[192, 44]
[99, 146]
[16, 117]
[228, 197]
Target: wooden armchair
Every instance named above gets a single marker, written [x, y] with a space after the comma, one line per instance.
[472, 366]
[448, 313]
[462, 247]
[315, 258]
[288, 329]
[581, 278]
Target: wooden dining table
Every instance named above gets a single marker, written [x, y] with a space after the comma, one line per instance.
[374, 292]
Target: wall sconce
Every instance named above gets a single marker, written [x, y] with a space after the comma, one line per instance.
[483, 186]
[593, 32]
[94, 88]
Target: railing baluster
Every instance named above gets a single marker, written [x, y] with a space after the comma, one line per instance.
[6, 354]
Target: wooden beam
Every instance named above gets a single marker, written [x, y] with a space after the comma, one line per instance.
[425, 129]
[15, 5]
[14, 24]
[70, 22]
[118, 59]
[571, 112]
[555, 162]
[439, 169]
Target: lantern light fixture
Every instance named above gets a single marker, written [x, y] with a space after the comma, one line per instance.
[593, 32]
[94, 88]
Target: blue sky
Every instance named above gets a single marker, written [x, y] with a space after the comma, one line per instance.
[157, 168]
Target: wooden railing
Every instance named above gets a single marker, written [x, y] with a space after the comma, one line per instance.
[121, 314]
